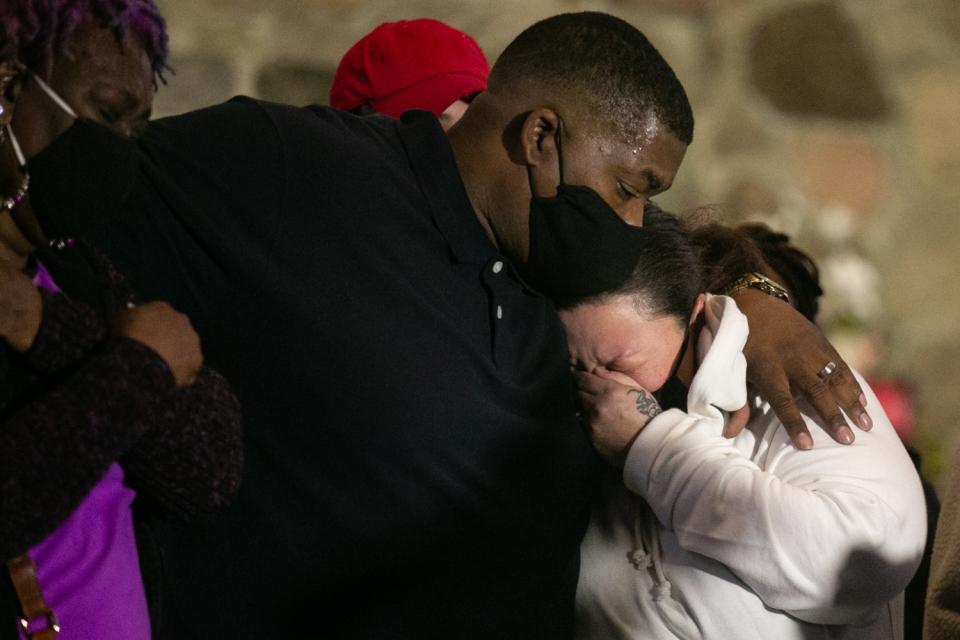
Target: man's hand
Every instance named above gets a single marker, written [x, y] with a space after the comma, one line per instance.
[166, 331]
[615, 410]
[785, 353]
[21, 308]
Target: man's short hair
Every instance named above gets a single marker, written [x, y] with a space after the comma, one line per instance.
[602, 63]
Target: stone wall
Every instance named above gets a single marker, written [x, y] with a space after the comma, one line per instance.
[836, 121]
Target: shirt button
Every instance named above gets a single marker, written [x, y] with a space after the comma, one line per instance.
[499, 312]
[497, 266]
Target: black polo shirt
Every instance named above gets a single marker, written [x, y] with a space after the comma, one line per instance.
[414, 469]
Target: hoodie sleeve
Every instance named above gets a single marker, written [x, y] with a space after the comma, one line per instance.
[827, 535]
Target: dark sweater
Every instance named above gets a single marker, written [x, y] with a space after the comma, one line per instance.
[79, 400]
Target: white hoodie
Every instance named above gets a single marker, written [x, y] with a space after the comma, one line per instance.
[750, 537]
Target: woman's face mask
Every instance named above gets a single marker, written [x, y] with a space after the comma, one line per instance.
[673, 393]
[69, 194]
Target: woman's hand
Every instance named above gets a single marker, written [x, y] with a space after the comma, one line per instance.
[785, 356]
[615, 410]
[166, 331]
[21, 308]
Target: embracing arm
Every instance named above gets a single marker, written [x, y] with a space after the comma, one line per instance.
[146, 383]
[827, 535]
[785, 351]
[191, 460]
[57, 446]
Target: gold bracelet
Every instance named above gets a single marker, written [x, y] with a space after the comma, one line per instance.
[756, 281]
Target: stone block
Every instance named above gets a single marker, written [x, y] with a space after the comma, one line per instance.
[737, 131]
[749, 199]
[949, 18]
[295, 83]
[685, 7]
[920, 268]
[841, 170]
[197, 80]
[930, 103]
[808, 60]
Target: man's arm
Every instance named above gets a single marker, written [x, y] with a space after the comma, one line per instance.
[191, 460]
[56, 444]
[785, 352]
[55, 448]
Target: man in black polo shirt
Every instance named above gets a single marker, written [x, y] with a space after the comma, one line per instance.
[371, 289]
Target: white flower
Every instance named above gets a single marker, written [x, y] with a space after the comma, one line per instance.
[851, 286]
[835, 224]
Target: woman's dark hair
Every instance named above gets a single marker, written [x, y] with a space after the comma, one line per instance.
[666, 278]
[727, 253]
[797, 270]
[35, 31]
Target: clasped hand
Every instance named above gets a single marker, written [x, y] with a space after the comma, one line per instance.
[156, 325]
[614, 409]
[168, 333]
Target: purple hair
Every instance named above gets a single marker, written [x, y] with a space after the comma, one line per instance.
[35, 31]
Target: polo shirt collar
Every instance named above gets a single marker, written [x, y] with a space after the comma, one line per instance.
[432, 161]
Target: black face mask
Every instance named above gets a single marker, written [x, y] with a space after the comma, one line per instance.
[673, 393]
[70, 194]
[579, 246]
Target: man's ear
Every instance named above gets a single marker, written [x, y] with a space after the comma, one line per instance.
[11, 75]
[539, 149]
[538, 137]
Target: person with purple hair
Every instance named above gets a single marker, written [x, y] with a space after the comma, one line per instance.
[106, 408]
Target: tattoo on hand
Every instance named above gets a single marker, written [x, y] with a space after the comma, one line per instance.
[646, 404]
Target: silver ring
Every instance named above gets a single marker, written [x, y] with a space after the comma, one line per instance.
[829, 368]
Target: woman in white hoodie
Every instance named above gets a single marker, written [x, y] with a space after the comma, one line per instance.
[695, 535]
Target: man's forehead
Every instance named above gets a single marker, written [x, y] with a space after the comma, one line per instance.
[653, 149]
[636, 136]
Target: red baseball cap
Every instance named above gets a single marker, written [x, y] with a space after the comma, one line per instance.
[410, 64]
